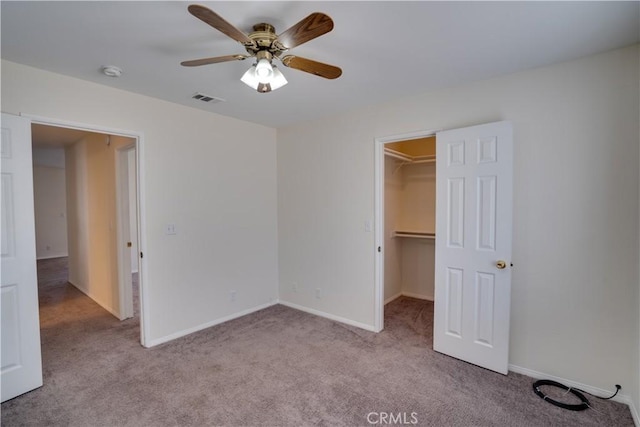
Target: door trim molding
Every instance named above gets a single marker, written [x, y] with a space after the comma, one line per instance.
[142, 237]
[379, 142]
[123, 233]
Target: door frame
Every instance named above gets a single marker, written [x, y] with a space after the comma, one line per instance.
[123, 214]
[138, 137]
[379, 172]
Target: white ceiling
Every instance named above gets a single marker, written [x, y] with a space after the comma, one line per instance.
[386, 50]
[43, 136]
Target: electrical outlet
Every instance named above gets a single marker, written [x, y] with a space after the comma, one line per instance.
[170, 229]
[232, 296]
[317, 293]
[294, 287]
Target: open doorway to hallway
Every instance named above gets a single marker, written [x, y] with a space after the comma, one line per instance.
[81, 179]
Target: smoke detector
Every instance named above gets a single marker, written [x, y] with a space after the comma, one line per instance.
[111, 71]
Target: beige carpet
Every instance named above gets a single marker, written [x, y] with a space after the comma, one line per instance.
[276, 367]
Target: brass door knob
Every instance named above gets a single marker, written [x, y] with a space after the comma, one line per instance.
[501, 264]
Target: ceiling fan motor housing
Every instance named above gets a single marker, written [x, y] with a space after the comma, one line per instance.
[263, 36]
[264, 54]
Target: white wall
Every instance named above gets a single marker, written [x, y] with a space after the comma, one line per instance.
[418, 198]
[76, 201]
[635, 388]
[51, 157]
[409, 200]
[418, 268]
[91, 186]
[576, 213]
[49, 197]
[212, 176]
[418, 207]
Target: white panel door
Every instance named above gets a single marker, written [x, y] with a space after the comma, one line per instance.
[473, 244]
[20, 362]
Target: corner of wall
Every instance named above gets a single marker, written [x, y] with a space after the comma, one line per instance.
[635, 403]
[112, 310]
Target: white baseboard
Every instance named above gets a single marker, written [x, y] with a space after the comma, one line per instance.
[184, 332]
[634, 412]
[622, 398]
[410, 295]
[329, 316]
[60, 255]
[111, 310]
[392, 298]
[418, 296]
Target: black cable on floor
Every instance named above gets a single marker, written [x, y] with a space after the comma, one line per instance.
[572, 407]
[575, 391]
[618, 387]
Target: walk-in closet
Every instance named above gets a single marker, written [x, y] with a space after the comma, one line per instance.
[409, 218]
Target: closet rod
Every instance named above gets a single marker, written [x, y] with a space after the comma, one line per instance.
[415, 234]
[424, 161]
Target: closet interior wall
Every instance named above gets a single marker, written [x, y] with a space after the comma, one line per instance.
[409, 196]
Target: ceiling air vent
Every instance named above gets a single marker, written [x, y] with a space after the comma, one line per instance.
[207, 98]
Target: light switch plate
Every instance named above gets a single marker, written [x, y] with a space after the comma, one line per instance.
[170, 229]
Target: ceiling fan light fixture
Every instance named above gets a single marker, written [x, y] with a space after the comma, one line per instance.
[249, 78]
[278, 80]
[264, 87]
[264, 70]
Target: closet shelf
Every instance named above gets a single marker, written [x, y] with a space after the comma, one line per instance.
[406, 158]
[415, 234]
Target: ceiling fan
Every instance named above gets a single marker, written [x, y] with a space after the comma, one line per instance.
[264, 45]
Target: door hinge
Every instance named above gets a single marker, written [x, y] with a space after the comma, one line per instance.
[379, 248]
[128, 244]
[141, 255]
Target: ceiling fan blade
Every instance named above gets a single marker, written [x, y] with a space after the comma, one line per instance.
[314, 67]
[309, 28]
[216, 21]
[214, 60]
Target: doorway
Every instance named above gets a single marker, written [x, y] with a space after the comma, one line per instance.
[103, 200]
[473, 228]
[400, 227]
